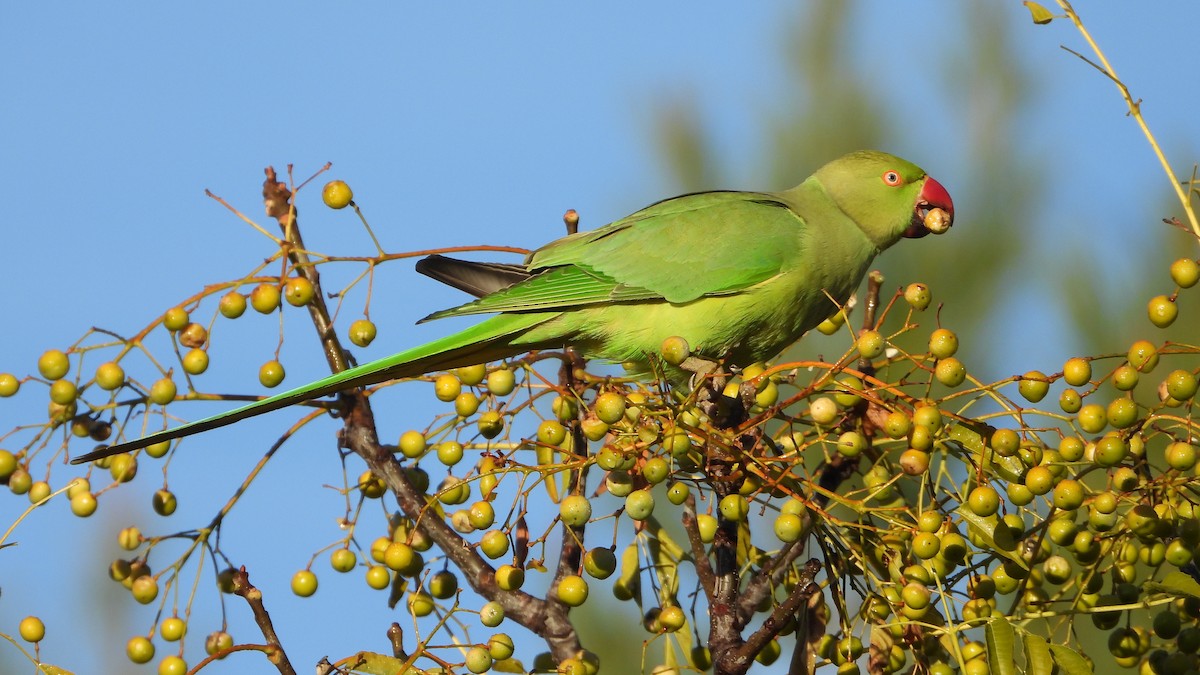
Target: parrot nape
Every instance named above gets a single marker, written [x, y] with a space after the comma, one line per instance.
[739, 275]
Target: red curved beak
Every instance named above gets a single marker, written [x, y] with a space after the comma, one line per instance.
[932, 196]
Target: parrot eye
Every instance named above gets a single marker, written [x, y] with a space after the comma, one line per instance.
[892, 178]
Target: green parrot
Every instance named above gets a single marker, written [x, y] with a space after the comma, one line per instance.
[739, 275]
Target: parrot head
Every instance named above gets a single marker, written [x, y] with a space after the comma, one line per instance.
[888, 197]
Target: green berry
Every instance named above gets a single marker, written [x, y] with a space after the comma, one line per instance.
[139, 649]
[471, 375]
[271, 374]
[491, 614]
[1143, 356]
[1111, 450]
[734, 507]
[162, 391]
[1033, 386]
[479, 660]
[448, 452]
[943, 343]
[706, 526]
[490, 424]
[575, 510]
[172, 629]
[788, 527]
[1181, 456]
[337, 194]
[481, 515]
[53, 364]
[501, 646]
[1070, 401]
[918, 296]
[144, 589]
[443, 585]
[501, 382]
[600, 563]
[195, 362]
[378, 577]
[639, 504]
[343, 560]
[83, 504]
[1077, 371]
[265, 298]
[176, 318]
[1125, 378]
[494, 544]
[362, 332]
[232, 305]
[413, 444]
[1162, 311]
[950, 372]
[677, 493]
[172, 665]
[1122, 413]
[610, 407]
[110, 376]
[675, 350]
[63, 392]
[871, 344]
[298, 291]
[1092, 418]
[164, 502]
[446, 387]
[1185, 272]
[1180, 385]
[509, 578]
[304, 583]
[9, 385]
[983, 501]
[572, 590]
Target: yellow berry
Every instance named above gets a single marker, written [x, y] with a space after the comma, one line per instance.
[175, 319]
[298, 291]
[53, 364]
[337, 194]
[271, 374]
[362, 332]
[32, 629]
[232, 305]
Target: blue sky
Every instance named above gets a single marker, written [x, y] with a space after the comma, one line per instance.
[454, 126]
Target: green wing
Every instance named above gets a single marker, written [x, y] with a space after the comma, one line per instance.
[663, 252]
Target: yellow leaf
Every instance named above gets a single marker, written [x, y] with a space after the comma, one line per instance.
[1041, 15]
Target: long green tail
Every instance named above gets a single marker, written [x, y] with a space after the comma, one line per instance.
[488, 341]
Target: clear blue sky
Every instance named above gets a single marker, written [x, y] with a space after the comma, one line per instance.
[463, 125]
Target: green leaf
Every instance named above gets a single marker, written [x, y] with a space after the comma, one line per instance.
[1070, 662]
[986, 529]
[1176, 583]
[1000, 641]
[1038, 660]
[1041, 15]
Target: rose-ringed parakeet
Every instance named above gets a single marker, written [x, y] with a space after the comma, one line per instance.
[738, 275]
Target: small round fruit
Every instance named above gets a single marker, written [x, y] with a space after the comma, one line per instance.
[162, 391]
[610, 407]
[1070, 401]
[490, 424]
[734, 507]
[871, 344]
[1142, 355]
[83, 504]
[600, 563]
[677, 493]
[494, 544]
[1092, 418]
[343, 560]
[572, 590]
[950, 372]
[1077, 371]
[1181, 456]
[1122, 413]
[413, 444]
[271, 374]
[675, 350]
[639, 504]
[164, 502]
[501, 382]
[575, 510]
[706, 526]
[509, 578]
[337, 194]
[1185, 272]
[139, 649]
[172, 665]
[491, 614]
[232, 305]
[265, 298]
[501, 646]
[298, 291]
[1033, 386]
[1180, 384]
[1068, 494]
[378, 577]
[63, 392]
[53, 364]
[943, 343]
[481, 515]
[918, 296]
[176, 318]
[471, 375]
[304, 583]
[362, 332]
[144, 589]
[446, 387]
[32, 629]
[983, 501]
[448, 452]
[1111, 450]
[110, 376]
[9, 385]
[443, 585]
[1162, 311]
[672, 618]
[788, 527]
[479, 660]
[172, 629]
[217, 641]
[195, 361]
